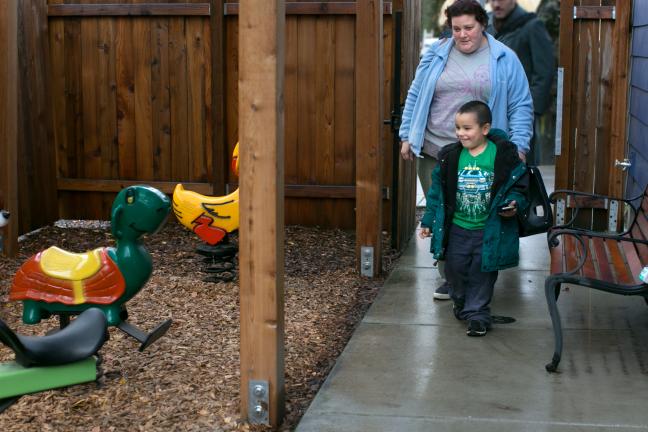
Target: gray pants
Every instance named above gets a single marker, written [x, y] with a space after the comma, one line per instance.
[470, 288]
[424, 168]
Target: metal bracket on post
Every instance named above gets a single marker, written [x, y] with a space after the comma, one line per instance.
[613, 214]
[559, 112]
[366, 261]
[560, 212]
[258, 402]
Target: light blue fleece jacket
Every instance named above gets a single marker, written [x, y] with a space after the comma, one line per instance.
[510, 99]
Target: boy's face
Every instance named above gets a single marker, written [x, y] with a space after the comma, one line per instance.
[469, 132]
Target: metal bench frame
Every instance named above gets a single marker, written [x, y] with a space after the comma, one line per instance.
[589, 246]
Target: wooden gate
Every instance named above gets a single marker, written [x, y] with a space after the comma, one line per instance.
[594, 43]
[319, 95]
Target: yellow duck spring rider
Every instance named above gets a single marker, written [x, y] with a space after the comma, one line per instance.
[212, 219]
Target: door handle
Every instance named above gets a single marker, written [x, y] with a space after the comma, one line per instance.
[624, 164]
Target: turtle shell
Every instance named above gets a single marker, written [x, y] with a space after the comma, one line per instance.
[103, 287]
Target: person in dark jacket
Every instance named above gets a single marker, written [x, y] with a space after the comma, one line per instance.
[477, 189]
[527, 35]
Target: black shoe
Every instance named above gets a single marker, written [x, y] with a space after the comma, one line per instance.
[456, 310]
[476, 328]
[442, 293]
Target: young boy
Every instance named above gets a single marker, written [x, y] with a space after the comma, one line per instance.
[477, 189]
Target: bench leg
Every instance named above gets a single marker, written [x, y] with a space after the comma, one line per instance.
[552, 289]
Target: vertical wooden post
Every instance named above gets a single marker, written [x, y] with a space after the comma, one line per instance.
[9, 122]
[563, 172]
[261, 248]
[219, 145]
[369, 119]
[619, 109]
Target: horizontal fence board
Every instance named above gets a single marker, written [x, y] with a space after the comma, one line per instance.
[639, 77]
[640, 41]
[640, 14]
[142, 9]
[639, 104]
[313, 8]
[319, 191]
[594, 12]
[97, 185]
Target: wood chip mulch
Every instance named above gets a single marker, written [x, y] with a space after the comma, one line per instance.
[189, 379]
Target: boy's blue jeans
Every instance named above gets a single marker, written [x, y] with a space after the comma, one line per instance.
[469, 286]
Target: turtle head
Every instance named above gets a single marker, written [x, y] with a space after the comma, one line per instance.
[138, 210]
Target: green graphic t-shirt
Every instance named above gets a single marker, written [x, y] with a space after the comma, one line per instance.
[474, 182]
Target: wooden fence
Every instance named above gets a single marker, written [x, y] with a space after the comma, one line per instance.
[147, 91]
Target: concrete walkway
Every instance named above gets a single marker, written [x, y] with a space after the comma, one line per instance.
[410, 366]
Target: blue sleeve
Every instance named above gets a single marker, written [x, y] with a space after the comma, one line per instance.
[410, 101]
[520, 106]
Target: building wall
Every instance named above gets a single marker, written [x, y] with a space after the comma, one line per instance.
[638, 110]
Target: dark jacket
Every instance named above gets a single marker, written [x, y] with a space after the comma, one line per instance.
[525, 34]
[501, 240]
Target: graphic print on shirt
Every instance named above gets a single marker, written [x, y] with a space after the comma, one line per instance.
[473, 191]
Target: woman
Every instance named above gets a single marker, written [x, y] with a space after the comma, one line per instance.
[472, 65]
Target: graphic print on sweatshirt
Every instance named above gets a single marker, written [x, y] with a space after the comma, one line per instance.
[474, 191]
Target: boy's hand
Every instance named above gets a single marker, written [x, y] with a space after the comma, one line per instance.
[509, 213]
[425, 232]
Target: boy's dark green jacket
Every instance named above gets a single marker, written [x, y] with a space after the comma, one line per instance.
[510, 182]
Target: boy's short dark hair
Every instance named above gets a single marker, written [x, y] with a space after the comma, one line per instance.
[466, 7]
[480, 109]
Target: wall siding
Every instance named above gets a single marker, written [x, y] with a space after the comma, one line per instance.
[638, 112]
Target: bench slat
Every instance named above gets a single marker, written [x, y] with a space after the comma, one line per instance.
[590, 264]
[605, 273]
[632, 258]
[618, 263]
[571, 254]
[557, 261]
[587, 202]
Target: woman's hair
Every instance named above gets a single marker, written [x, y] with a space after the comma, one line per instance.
[466, 7]
[480, 109]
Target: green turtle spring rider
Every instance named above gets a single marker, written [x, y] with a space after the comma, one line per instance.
[63, 358]
[94, 285]
[57, 282]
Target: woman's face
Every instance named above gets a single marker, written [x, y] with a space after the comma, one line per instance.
[467, 33]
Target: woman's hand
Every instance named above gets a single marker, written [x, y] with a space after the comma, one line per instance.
[405, 151]
[510, 213]
[425, 233]
[522, 156]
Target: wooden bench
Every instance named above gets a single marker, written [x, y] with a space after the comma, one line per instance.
[609, 260]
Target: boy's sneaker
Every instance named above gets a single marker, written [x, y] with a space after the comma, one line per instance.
[456, 310]
[476, 328]
[442, 293]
